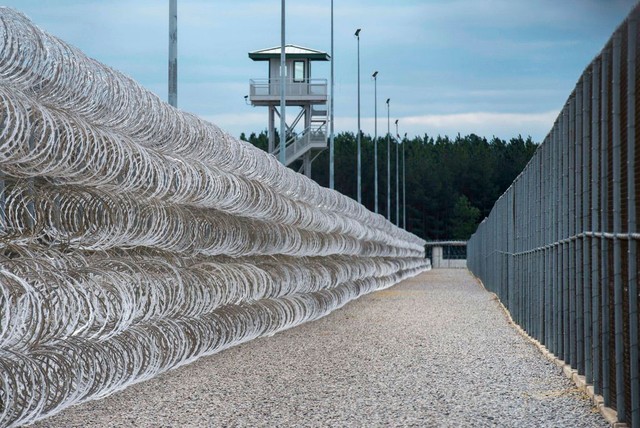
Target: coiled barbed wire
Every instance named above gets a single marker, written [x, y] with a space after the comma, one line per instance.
[95, 220]
[116, 102]
[135, 238]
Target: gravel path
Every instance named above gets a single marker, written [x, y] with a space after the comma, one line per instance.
[434, 350]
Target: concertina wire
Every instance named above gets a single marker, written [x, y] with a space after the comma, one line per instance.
[136, 238]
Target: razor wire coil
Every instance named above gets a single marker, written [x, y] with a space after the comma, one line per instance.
[135, 238]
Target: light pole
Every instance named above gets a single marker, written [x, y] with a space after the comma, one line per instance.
[404, 186]
[173, 53]
[397, 178]
[357, 34]
[375, 138]
[283, 123]
[388, 163]
[331, 138]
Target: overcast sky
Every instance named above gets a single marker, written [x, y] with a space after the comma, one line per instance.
[490, 67]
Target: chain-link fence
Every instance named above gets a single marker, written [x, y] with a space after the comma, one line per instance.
[560, 246]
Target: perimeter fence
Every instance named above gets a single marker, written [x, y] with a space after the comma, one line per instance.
[135, 238]
[560, 246]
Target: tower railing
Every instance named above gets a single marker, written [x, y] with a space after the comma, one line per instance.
[269, 89]
[298, 145]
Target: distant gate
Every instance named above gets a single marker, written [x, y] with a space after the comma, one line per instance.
[447, 254]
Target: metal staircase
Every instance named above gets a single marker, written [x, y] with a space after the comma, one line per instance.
[313, 138]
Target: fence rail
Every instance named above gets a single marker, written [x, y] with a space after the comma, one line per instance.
[560, 246]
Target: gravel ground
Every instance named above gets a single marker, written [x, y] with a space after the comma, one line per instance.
[434, 350]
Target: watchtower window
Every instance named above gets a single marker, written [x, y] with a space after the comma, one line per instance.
[298, 71]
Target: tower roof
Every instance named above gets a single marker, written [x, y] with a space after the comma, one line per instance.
[290, 51]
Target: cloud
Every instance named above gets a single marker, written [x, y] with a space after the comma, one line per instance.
[482, 118]
[484, 123]
[235, 124]
[449, 66]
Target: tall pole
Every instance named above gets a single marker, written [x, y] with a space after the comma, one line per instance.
[388, 163]
[375, 138]
[173, 53]
[397, 178]
[283, 123]
[331, 129]
[357, 34]
[404, 186]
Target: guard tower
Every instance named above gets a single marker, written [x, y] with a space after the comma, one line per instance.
[307, 134]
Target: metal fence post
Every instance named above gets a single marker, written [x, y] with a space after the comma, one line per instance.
[539, 243]
[566, 305]
[510, 237]
[574, 296]
[548, 249]
[596, 278]
[617, 229]
[604, 225]
[632, 224]
[557, 225]
[586, 249]
[578, 266]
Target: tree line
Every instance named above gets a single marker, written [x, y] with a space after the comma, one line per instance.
[451, 183]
